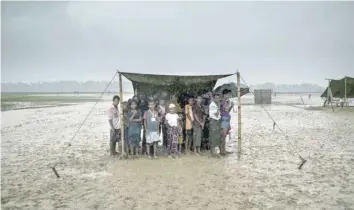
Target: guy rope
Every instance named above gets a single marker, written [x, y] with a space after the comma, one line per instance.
[77, 131]
[275, 124]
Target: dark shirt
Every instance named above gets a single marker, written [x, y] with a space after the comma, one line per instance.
[134, 127]
[198, 111]
[143, 107]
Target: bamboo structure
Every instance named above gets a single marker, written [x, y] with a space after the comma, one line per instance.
[121, 113]
[345, 92]
[328, 89]
[239, 115]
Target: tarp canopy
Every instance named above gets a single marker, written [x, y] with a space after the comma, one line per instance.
[173, 84]
[338, 88]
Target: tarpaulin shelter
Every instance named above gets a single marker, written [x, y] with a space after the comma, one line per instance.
[343, 88]
[173, 84]
[176, 85]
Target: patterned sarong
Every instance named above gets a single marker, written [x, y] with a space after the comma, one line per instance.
[172, 137]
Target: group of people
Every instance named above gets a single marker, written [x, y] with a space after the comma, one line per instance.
[193, 123]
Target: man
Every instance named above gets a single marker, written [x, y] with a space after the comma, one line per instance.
[114, 122]
[198, 124]
[189, 124]
[214, 124]
[225, 107]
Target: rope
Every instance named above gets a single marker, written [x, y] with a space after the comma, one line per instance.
[276, 125]
[77, 131]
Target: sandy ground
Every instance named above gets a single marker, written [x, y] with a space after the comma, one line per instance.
[266, 176]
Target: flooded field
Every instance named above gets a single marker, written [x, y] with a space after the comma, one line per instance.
[266, 176]
[16, 101]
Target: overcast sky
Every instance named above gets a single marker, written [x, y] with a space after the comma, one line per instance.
[280, 42]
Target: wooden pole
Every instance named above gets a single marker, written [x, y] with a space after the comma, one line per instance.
[345, 91]
[328, 89]
[121, 113]
[239, 115]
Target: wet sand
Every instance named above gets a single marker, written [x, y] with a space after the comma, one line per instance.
[266, 176]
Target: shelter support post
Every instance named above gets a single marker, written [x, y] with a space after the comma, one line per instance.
[121, 114]
[328, 94]
[329, 81]
[239, 115]
[345, 92]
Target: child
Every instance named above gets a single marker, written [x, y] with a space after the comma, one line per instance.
[225, 107]
[126, 126]
[180, 137]
[161, 109]
[189, 124]
[134, 118]
[173, 130]
[151, 122]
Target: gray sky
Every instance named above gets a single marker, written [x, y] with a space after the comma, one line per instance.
[280, 42]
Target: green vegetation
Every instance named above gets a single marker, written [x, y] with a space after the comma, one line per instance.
[26, 101]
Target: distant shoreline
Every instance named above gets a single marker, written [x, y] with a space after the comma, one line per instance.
[126, 92]
[30, 93]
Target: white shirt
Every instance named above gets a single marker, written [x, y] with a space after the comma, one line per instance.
[213, 109]
[172, 119]
[113, 114]
[191, 113]
[163, 109]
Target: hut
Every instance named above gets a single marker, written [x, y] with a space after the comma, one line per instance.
[342, 88]
[263, 96]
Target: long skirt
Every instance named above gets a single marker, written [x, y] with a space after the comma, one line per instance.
[163, 129]
[205, 138]
[172, 140]
[197, 135]
[134, 137]
[214, 133]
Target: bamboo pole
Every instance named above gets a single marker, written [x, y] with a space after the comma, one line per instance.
[328, 89]
[121, 114]
[239, 115]
[345, 91]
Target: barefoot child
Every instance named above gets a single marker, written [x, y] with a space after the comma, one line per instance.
[180, 137]
[161, 109]
[134, 119]
[126, 126]
[225, 107]
[151, 122]
[172, 123]
[114, 122]
[189, 124]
